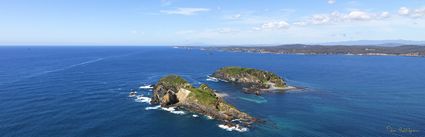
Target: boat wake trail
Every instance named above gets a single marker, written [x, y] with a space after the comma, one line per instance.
[56, 70]
[65, 68]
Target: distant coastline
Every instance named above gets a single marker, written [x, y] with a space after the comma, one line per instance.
[300, 49]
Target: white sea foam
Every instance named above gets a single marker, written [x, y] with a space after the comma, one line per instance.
[168, 109]
[233, 128]
[154, 107]
[195, 115]
[143, 99]
[131, 95]
[209, 117]
[212, 79]
[173, 110]
[221, 94]
[178, 112]
[146, 87]
[238, 120]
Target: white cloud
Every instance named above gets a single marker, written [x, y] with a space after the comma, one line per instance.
[403, 11]
[185, 11]
[313, 28]
[419, 13]
[358, 15]
[274, 25]
[385, 14]
[320, 19]
[337, 17]
[414, 13]
[331, 1]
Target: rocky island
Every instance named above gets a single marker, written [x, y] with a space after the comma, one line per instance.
[253, 80]
[174, 91]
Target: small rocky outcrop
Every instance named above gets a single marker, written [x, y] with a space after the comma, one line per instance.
[254, 80]
[174, 91]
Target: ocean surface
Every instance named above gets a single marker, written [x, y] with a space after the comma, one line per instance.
[84, 92]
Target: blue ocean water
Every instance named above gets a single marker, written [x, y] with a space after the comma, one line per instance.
[83, 91]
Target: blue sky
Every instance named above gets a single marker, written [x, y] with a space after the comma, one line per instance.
[220, 22]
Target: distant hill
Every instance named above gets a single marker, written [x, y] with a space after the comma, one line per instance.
[387, 43]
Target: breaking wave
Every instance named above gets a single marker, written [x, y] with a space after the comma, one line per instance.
[233, 128]
[209, 117]
[213, 79]
[146, 87]
[143, 99]
[169, 109]
[154, 107]
[173, 110]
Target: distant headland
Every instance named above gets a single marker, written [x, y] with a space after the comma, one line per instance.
[363, 50]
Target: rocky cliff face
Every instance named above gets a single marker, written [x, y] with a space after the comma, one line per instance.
[253, 80]
[165, 91]
[175, 91]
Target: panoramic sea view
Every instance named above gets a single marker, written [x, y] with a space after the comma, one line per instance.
[84, 91]
[216, 68]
